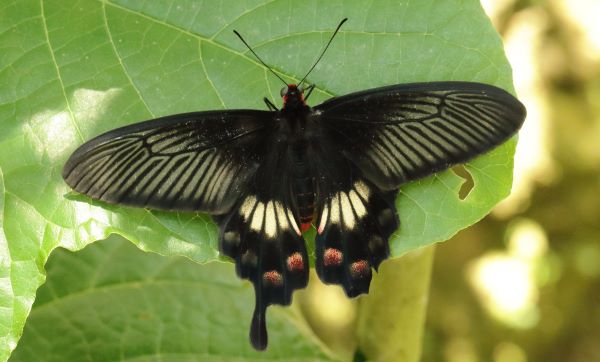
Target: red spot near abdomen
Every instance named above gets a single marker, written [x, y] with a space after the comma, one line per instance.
[305, 226]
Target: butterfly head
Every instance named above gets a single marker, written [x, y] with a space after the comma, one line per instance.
[293, 96]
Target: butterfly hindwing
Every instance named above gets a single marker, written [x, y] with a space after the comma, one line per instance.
[196, 161]
[404, 132]
[262, 234]
[354, 221]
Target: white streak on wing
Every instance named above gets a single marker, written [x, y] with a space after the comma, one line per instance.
[153, 175]
[226, 180]
[335, 210]
[270, 221]
[281, 217]
[172, 184]
[379, 158]
[434, 148]
[422, 150]
[293, 222]
[323, 222]
[257, 217]
[247, 207]
[183, 185]
[196, 177]
[411, 148]
[217, 182]
[347, 213]
[390, 154]
[390, 140]
[357, 204]
[362, 189]
[201, 191]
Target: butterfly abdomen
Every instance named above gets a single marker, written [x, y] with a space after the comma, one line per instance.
[305, 197]
[303, 184]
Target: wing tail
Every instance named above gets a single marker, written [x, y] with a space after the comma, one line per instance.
[264, 239]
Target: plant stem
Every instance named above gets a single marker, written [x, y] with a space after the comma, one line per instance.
[391, 318]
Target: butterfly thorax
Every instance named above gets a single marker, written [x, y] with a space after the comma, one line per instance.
[294, 116]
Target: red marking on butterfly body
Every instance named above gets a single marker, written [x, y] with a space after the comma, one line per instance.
[305, 226]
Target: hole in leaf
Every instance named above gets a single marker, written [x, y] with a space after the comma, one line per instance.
[467, 185]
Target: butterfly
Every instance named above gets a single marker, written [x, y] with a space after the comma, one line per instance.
[267, 176]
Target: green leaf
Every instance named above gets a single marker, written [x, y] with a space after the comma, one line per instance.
[71, 70]
[395, 309]
[113, 302]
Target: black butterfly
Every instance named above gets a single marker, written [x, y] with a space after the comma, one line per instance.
[265, 176]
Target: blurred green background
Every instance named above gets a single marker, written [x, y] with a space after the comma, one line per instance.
[524, 283]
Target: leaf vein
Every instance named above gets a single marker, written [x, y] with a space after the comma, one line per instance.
[58, 74]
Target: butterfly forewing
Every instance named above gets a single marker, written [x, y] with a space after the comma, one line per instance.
[404, 132]
[197, 161]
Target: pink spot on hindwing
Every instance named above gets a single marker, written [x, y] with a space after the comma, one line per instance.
[295, 262]
[273, 278]
[332, 257]
[359, 268]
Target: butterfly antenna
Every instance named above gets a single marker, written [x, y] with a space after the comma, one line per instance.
[324, 50]
[257, 57]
